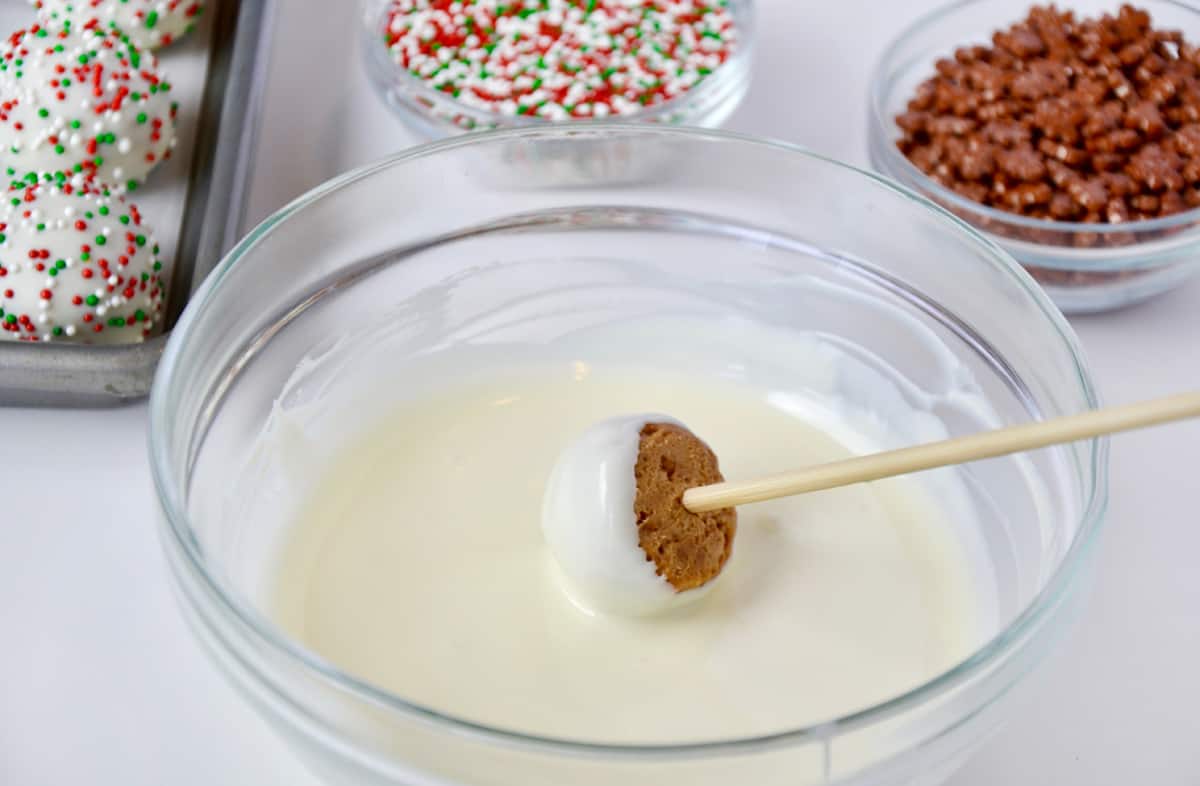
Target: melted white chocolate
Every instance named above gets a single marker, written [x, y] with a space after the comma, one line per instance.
[416, 561]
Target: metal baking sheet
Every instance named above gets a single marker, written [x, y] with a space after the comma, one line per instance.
[193, 202]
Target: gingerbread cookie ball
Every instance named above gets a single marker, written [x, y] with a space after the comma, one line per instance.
[613, 517]
[687, 549]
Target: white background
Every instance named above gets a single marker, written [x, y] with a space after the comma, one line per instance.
[100, 682]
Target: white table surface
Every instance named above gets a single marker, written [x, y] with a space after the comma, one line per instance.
[100, 682]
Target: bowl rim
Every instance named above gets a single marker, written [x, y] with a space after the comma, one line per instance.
[898, 166]
[175, 528]
[382, 68]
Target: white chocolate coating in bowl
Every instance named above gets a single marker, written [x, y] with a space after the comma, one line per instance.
[590, 528]
[413, 555]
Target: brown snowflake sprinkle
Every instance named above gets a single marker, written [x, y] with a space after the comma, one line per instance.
[1063, 118]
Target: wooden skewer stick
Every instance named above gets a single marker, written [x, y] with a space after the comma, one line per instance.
[989, 444]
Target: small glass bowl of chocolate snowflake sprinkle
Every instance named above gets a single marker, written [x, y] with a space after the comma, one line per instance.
[1071, 136]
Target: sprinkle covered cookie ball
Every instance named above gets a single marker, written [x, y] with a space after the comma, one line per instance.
[86, 104]
[76, 264]
[149, 24]
[561, 59]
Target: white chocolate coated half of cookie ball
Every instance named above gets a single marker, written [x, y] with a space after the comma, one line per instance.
[150, 24]
[87, 104]
[590, 525]
[76, 264]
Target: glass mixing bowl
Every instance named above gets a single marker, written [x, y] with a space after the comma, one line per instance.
[1084, 267]
[525, 235]
[432, 114]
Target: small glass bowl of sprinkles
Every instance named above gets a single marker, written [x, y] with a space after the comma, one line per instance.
[453, 66]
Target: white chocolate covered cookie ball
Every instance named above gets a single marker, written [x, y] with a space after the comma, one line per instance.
[76, 264]
[613, 519]
[150, 24]
[89, 105]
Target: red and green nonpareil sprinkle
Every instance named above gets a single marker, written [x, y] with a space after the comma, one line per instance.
[76, 263]
[148, 23]
[78, 105]
[561, 59]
